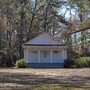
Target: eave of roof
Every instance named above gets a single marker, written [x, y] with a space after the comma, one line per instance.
[44, 44]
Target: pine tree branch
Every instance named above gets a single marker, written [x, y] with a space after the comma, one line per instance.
[81, 30]
[77, 31]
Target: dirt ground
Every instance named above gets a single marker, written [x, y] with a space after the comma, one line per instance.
[30, 78]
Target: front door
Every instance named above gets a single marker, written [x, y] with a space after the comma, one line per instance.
[45, 56]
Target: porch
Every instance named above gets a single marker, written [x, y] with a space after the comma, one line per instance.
[45, 58]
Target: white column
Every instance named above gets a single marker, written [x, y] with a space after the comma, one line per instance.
[38, 56]
[50, 56]
[26, 55]
[63, 57]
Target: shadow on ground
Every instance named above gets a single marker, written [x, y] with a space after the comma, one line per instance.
[29, 80]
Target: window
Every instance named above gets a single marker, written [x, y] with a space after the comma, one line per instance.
[34, 51]
[55, 51]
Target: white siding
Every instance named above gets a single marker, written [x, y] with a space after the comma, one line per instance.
[60, 57]
[57, 57]
[45, 56]
[33, 56]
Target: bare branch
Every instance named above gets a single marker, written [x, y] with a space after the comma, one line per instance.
[81, 30]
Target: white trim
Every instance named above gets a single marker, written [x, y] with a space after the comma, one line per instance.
[38, 56]
[50, 56]
[45, 47]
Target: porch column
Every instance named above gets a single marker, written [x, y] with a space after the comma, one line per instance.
[63, 57]
[50, 56]
[26, 55]
[38, 56]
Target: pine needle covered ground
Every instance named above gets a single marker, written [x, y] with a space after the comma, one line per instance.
[45, 79]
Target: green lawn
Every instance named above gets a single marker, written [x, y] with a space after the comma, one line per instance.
[44, 79]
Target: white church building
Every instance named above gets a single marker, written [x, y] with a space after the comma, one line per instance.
[45, 52]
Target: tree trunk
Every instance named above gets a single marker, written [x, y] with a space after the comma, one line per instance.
[31, 23]
[21, 32]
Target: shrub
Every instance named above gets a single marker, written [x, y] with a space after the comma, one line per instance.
[70, 62]
[77, 62]
[21, 63]
[82, 62]
[73, 55]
